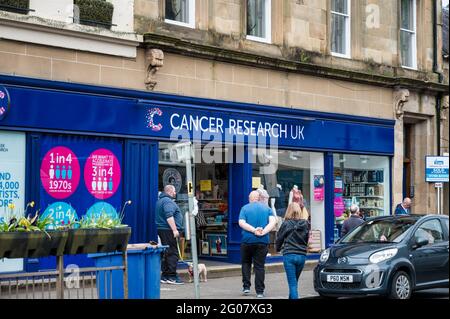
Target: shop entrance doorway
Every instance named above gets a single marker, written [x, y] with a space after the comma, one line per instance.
[210, 170]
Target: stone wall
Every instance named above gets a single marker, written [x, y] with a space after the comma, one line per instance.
[301, 30]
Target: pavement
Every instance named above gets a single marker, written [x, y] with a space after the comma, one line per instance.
[225, 282]
[231, 288]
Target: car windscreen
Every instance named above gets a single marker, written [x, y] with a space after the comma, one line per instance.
[380, 231]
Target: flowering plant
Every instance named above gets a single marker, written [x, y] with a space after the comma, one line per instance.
[104, 220]
[26, 223]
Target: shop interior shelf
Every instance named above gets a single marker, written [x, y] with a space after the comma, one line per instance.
[364, 183]
[365, 196]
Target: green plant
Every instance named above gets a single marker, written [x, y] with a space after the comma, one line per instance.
[11, 222]
[103, 220]
[16, 6]
[95, 12]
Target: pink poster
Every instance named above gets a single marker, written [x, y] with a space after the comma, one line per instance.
[102, 173]
[60, 172]
[318, 194]
[339, 207]
[319, 187]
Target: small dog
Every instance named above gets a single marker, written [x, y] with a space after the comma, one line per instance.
[201, 272]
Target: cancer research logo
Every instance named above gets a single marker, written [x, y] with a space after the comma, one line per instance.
[150, 119]
[4, 102]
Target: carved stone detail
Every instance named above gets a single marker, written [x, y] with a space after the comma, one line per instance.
[154, 60]
[400, 98]
[444, 108]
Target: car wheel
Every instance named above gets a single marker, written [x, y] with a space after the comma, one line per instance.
[401, 287]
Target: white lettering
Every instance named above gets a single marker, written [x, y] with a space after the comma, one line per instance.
[220, 125]
[232, 126]
[283, 131]
[184, 123]
[171, 121]
[300, 131]
[203, 118]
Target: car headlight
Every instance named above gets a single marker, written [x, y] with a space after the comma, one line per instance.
[383, 255]
[324, 256]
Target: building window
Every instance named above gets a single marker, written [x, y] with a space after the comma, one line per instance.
[259, 20]
[408, 34]
[180, 12]
[340, 28]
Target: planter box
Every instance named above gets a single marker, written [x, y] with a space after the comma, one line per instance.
[16, 6]
[89, 241]
[32, 244]
[96, 13]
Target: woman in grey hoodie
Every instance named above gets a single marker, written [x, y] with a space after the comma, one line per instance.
[292, 241]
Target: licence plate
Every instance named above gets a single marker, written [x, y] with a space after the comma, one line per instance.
[339, 278]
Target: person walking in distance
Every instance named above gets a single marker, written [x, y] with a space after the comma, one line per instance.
[404, 208]
[256, 220]
[353, 221]
[292, 241]
[169, 222]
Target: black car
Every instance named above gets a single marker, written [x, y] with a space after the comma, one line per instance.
[390, 256]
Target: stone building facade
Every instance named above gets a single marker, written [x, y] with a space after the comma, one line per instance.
[213, 58]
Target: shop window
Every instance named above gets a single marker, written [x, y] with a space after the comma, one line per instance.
[259, 20]
[340, 28]
[180, 12]
[292, 171]
[362, 180]
[408, 41]
[210, 178]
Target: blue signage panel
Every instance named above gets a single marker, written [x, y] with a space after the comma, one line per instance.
[43, 109]
[436, 169]
[63, 190]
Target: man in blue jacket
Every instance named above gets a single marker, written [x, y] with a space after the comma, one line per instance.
[256, 221]
[404, 208]
[169, 222]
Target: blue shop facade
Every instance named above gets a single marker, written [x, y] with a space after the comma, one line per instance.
[78, 149]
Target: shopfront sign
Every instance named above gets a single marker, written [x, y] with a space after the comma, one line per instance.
[4, 102]
[437, 169]
[198, 120]
[12, 185]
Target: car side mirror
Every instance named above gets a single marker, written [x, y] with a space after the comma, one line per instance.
[421, 242]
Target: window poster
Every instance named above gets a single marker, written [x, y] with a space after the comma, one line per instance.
[12, 185]
[319, 187]
[339, 206]
[69, 167]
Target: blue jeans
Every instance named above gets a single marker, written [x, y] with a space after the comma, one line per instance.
[293, 265]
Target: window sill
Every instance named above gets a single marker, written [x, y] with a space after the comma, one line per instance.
[258, 39]
[411, 68]
[340, 55]
[68, 35]
[180, 24]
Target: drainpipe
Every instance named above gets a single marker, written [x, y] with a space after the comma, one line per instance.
[440, 75]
